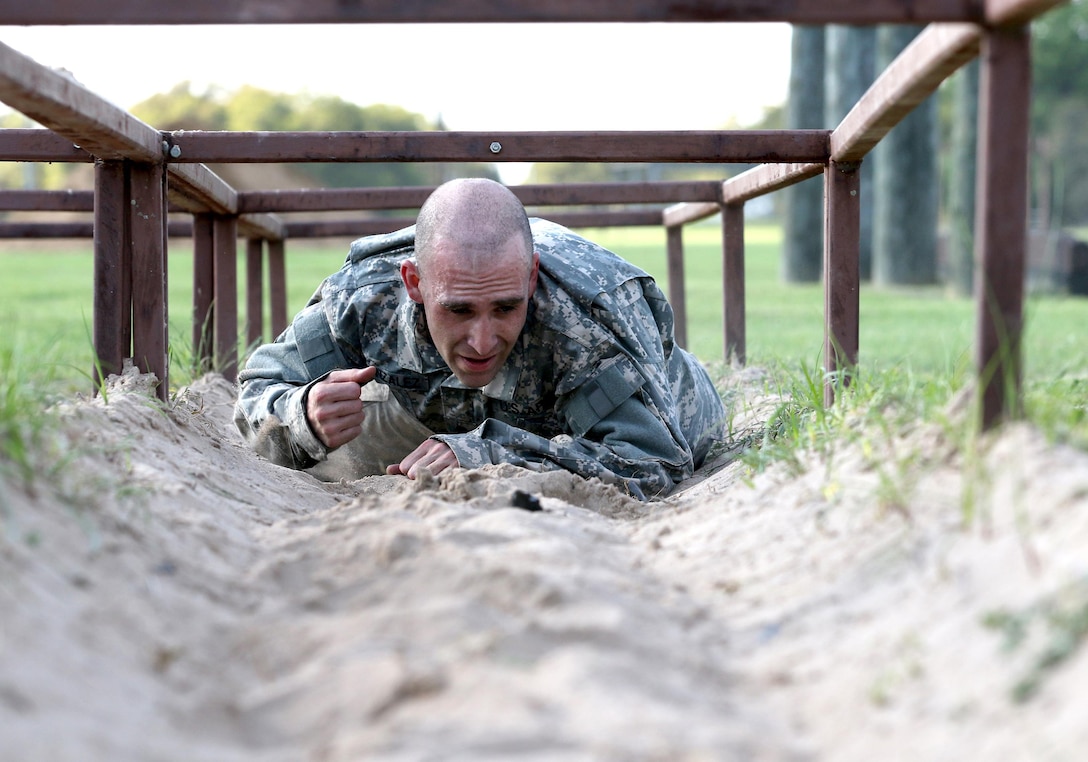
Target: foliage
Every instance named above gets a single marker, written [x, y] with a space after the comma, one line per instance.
[1059, 61]
[23, 416]
[1059, 107]
[181, 109]
[252, 108]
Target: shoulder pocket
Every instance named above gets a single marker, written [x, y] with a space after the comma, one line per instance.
[316, 347]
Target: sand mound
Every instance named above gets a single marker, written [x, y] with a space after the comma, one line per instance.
[169, 596]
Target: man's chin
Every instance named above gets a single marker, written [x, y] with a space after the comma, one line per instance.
[475, 379]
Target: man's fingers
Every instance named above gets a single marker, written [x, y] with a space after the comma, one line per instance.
[333, 407]
[335, 418]
[434, 455]
[358, 376]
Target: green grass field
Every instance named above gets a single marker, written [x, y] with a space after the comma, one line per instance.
[916, 344]
[46, 310]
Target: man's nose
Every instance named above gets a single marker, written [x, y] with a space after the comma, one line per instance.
[481, 336]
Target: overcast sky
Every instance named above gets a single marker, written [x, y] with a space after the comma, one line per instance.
[476, 76]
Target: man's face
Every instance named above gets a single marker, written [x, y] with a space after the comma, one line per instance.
[475, 305]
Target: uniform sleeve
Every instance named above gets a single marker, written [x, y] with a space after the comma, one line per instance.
[271, 408]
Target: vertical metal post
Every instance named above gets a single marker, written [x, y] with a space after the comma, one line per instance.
[842, 254]
[1001, 219]
[112, 310]
[254, 291]
[225, 233]
[674, 242]
[147, 221]
[203, 292]
[733, 309]
[277, 286]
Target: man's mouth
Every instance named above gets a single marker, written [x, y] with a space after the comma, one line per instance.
[477, 364]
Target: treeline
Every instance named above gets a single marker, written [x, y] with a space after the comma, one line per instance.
[252, 108]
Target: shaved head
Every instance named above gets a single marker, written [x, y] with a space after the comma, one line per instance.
[474, 272]
[474, 217]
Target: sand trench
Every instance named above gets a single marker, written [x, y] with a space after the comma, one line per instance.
[167, 595]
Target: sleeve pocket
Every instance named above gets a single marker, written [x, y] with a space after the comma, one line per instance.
[595, 399]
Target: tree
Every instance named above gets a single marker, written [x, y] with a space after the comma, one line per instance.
[252, 108]
[851, 66]
[1059, 107]
[961, 180]
[804, 206]
[906, 185]
[182, 109]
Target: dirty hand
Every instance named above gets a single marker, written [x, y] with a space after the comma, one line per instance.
[333, 407]
[433, 455]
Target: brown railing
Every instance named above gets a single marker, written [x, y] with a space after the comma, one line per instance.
[140, 170]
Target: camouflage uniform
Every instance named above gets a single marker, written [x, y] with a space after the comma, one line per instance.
[594, 385]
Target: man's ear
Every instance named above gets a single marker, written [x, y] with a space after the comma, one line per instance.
[409, 273]
[533, 273]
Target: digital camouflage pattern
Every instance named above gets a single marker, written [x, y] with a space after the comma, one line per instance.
[595, 384]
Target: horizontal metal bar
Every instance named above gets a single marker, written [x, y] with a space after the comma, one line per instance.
[344, 228]
[1009, 12]
[46, 201]
[346, 199]
[20, 144]
[720, 146]
[375, 225]
[175, 229]
[765, 179]
[61, 104]
[459, 11]
[682, 214]
[915, 74]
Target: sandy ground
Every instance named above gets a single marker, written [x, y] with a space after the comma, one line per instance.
[166, 595]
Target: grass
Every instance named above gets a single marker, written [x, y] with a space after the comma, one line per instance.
[915, 343]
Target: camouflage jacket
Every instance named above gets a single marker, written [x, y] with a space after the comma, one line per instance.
[595, 384]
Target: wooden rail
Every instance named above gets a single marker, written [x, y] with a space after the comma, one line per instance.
[744, 146]
[349, 199]
[414, 11]
[933, 56]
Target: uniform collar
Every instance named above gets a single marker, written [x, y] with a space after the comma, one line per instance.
[415, 351]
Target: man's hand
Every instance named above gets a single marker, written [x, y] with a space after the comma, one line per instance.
[433, 455]
[333, 406]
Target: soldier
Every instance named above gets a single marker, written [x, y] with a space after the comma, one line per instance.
[478, 336]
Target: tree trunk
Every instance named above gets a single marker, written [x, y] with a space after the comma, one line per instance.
[961, 195]
[906, 179]
[851, 68]
[804, 203]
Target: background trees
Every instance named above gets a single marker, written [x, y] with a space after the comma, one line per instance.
[252, 108]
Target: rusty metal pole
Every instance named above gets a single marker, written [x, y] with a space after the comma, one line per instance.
[1001, 219]
[254, 291]
[842, 253]
[147, 221]
[733, 309]
[112, 310]
[203, 292]
[674, 243]
[225, 234]
[277, 286]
